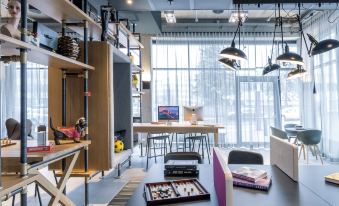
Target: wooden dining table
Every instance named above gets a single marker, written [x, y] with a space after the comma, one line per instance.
[185, 128]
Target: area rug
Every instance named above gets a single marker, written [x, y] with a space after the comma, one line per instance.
[134, 177]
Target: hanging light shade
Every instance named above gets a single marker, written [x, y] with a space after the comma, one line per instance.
[270, 67]
[229, 64]
[298, 72]
[322, 46]
[233, 53]
[290, 57]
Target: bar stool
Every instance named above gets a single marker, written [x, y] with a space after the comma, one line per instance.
[175, 135]
[161, 141]
[191, 144]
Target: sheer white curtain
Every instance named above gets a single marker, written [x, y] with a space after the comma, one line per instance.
[186, 71]
[37, 94]
[321, 105]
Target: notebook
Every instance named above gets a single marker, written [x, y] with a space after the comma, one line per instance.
[334, 178]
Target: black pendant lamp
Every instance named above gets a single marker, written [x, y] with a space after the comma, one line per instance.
[233, 53]
[298, 72]
[290, 57]
[229, 64]
[322, 46]
[271, 67]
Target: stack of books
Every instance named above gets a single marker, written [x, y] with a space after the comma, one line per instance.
[251, 178]
[181, 168]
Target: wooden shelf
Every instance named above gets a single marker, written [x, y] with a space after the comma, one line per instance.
[124, 33]
[119, 57]
[136, 69]
[65, 10]
[78, 173]
[121, 157]
[133, 41]
[10, 156]
[11, 46]
[13, 182]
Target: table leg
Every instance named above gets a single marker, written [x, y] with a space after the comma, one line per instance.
[216, 139]
[46, 185]
[57, 192]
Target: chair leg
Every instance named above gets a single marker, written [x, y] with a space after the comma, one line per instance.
[307, 148]
[147, 152]
[13, 200]
[202, 147]
[171, 142]
[318, 150]
[208, 141]
[165, 149]
[315, 152]
[155, 156]
[189, 145]
[301, 148]
[199, 147]
[207, 150]
[38, 192]
[304, 151]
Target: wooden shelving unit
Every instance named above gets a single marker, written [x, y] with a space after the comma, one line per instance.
[62, 11]
[11, 46]
[65, 10]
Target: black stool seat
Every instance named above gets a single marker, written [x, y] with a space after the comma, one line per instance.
[245, 157]
[183, 156]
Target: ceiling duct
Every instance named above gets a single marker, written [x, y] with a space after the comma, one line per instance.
[281, 1]
[219, 11]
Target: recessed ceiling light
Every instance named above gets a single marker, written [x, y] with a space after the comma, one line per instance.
[170, 17]
[129, 2]
[235, 15]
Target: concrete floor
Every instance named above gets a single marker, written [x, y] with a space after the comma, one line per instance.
[102, 190]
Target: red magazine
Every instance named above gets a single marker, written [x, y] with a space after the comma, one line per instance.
[40, 148]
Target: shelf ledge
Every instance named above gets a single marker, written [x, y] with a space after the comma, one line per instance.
[11, 46]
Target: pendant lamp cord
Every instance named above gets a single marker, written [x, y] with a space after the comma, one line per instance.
[238, 28]
[281, 28]
[302, 32]
[275, 28]
[240, 22]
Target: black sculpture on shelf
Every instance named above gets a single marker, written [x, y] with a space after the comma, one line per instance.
[72, 132]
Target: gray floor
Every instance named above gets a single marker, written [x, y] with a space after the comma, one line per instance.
[102, 190]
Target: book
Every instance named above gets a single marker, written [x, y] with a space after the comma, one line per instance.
[46, 148]
[260, 184]
[249, 174]
[333, 178]
[182, 164]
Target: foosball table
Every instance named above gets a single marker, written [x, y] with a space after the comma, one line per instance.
[158, 193]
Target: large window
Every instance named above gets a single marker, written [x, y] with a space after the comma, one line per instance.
[37, 94]
[186, 71]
